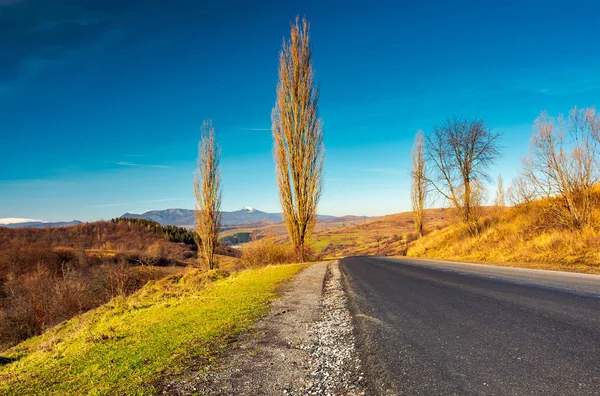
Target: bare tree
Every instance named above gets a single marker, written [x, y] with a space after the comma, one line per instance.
[418, 182]
[500, 201]
[520, 191]
[592, 119]
[459, 153]
[378, 238]
[563, 164]
[298, 138]
[207, 189]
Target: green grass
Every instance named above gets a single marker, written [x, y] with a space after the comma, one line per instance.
[322, 242]
[126, 345]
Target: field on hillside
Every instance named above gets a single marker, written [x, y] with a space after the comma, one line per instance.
[128, 345]
[279, 230]
[387, 235]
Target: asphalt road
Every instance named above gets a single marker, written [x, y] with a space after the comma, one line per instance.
[435, 328]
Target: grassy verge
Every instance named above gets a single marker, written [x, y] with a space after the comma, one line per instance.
[126, 345]
[515, 240]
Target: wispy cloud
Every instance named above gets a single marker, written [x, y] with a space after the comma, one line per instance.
[564, 82]
[163, 200]
[135, 164]
[386, 171]
[256, 129]
[570, 90]
[106, 205]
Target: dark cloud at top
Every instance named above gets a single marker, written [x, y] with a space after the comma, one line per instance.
[38, 32]
[9, 2]
[38, 35]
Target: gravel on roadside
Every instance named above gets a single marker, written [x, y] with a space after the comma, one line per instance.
[304, 346]
[335, 363]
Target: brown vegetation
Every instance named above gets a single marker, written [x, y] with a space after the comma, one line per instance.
[270, 249]
[520, 191]
[298, 138]
[50, 275]
[207, 189]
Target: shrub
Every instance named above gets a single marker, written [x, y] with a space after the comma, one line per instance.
[155, 253]
[266, 251]
[271, 250]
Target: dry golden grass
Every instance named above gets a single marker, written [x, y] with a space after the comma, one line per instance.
[228, 263]
[518, 237]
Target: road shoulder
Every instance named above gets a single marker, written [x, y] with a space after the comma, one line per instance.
[304, 345]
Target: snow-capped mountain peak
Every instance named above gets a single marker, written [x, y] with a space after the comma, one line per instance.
[248, 209]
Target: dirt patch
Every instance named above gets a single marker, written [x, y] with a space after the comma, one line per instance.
[305, 345]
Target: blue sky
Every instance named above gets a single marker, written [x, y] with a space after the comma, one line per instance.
[101, 100]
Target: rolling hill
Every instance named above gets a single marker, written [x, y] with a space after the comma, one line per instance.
[522, 236]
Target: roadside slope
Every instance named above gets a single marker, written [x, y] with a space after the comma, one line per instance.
[125, 346]
[305, 345]
[521, 237]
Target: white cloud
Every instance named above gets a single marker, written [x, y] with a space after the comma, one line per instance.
[16, 220]
[134, 164]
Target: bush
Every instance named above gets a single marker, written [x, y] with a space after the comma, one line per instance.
[266, 251]
[155, 253]
[270, 250]
[411, 237]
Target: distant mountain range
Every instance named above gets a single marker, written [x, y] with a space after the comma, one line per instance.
[186, 217]
[177, 217]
